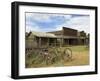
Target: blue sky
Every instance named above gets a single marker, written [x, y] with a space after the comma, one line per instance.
[45, 22]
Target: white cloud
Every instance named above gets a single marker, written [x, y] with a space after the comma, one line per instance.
[45, 17]
[81, 23]
[39, 17]
[84, 20]
[59, 27]
[67, 17]
[31, 28]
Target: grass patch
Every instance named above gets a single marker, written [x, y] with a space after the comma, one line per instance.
[80, 56]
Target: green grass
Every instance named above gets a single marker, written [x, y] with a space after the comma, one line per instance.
[79, 48]
[80, 57]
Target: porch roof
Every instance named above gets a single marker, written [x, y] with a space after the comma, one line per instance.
[44, 34]
[50, 35]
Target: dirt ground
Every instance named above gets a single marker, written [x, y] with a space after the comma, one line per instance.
[80, 56]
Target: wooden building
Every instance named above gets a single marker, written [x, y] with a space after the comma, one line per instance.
[64, 37]
[71, 36]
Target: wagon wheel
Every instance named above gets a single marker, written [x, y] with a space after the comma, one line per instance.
[48, 60]
[51, 57]
[67, 54]
[59, 54]
[54, 56]
[39, 58]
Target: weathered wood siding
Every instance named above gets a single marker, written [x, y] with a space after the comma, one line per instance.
[69, 32]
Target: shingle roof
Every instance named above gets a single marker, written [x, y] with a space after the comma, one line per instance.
[43, 34]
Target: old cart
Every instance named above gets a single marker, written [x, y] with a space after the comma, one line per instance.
[50, 54]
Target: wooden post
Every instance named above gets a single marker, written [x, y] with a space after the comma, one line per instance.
[60, 42]
[40, 42]
[48, 42]
[55, 42]
[84, 41]
[68, 41]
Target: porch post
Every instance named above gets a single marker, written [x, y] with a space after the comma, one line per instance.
[48, 42]
[55, 41]
[60, 42]
[84, 41]
[68, 41]
[39, 41]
